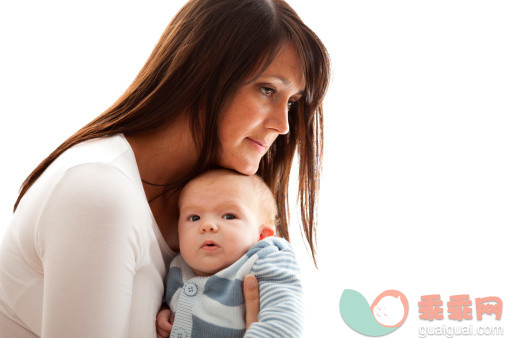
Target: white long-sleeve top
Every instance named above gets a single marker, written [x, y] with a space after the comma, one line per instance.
[83, 256]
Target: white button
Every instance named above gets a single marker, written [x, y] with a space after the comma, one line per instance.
[178, 334]
[190, 289]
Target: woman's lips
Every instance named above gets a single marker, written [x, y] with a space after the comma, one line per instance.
[258, 144]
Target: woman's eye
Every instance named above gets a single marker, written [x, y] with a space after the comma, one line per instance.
[228, 216]
[291, 104]
[267, 91]
[194, 218]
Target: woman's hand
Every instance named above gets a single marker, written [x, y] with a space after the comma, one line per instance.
[251, 294]
[164, 323]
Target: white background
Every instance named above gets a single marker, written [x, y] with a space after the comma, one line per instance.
[414, 188]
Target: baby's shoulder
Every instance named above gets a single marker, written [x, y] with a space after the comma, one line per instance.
[271, 247]
[275, 260]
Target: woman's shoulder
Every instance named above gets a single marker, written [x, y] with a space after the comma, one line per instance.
[104, 164]
[98, 173]
[93, 180]
[90, 201]
[113, 150]
[82, 197]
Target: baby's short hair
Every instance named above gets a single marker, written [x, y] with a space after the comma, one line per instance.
[267, 202]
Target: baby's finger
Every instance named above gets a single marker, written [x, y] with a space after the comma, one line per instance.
[171, 318]
[163, 320]
[163, 333]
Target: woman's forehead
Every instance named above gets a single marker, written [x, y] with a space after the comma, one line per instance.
[286, 67]
[284, 61]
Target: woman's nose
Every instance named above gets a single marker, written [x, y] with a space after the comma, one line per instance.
[279, 119]
[208, 227]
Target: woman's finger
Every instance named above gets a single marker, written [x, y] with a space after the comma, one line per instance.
[251, 294]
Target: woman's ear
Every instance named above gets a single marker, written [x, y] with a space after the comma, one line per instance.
[266, 232]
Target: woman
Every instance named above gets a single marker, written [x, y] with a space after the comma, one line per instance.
[231, 83]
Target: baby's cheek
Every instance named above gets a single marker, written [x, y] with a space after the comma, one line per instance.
[238, 249]
[187, 247]
[184, 253]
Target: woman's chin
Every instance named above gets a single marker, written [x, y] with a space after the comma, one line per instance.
[243, 167]
[247, 170]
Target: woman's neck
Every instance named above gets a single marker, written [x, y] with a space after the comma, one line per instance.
[163, 157]
[166, 155]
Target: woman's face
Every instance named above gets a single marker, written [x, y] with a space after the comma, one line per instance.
[258, 113]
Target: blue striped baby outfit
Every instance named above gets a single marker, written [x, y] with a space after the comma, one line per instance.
[214, 306]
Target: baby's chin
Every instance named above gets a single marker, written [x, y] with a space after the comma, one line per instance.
[205, 273]
[209, 265]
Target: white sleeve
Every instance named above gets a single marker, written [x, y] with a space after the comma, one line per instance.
[88, 244]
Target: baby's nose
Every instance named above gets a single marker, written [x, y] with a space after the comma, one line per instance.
[208, 227]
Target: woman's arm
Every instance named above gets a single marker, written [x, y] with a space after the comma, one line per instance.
[88, 246]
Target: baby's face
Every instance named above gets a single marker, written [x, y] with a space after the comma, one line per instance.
[218, 223]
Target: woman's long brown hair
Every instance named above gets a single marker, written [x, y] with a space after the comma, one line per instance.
[206, 53]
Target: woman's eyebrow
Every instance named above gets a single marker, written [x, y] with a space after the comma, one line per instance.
[286, 82]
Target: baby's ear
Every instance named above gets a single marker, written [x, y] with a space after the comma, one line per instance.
[266, 231]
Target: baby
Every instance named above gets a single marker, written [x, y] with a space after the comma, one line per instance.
[225, 231]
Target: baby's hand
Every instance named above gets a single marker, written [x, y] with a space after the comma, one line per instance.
[165, 320]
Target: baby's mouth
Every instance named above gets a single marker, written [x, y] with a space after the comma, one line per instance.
[209, 245]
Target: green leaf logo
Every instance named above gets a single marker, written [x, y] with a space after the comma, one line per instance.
[386, 314]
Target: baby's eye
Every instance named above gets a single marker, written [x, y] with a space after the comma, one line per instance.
[194, 218]
[228, 216]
